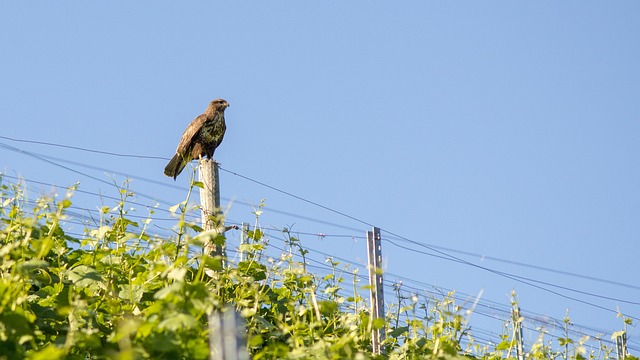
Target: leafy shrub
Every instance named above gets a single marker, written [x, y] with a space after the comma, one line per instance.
[119, 292]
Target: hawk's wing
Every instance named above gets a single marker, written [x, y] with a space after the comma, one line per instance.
[189, 133]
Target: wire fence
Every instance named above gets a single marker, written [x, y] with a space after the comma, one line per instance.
[157, 210]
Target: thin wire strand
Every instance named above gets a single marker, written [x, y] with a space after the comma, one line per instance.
[557, 271]
[444, 254]
[506, 312]
[84, 149]
[323, 264]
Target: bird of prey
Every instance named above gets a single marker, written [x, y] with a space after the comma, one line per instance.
[201, 138]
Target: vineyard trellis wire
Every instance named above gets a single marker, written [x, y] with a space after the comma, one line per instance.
[390, 233]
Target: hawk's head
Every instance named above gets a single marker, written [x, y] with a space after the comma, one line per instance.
[219, 104]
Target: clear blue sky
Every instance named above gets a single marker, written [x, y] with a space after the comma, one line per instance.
[507, 129]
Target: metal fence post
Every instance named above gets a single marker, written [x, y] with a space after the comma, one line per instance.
[243, 240]
[374, 251]
[621, 346]
[227, 338]
[517, 327]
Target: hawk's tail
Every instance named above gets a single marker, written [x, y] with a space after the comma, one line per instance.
[174, 167]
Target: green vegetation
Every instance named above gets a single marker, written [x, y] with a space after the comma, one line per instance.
[120, 293]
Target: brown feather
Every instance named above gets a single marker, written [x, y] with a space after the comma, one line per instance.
[201, 138]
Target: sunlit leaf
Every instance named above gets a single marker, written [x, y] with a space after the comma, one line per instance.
[84, 276]
[32, 265]
[49, 352]
[131, 293]
[65, 203]
[378, 323]
[176, 322]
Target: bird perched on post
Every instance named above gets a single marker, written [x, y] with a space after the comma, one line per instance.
[201, 138]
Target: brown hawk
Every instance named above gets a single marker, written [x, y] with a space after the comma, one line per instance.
[201, 138]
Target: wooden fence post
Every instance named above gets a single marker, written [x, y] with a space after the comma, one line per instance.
[374, 250]
[210, 202]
